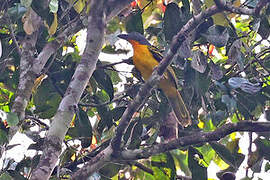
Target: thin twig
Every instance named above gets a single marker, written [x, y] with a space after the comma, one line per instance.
[38, 121]
[127, 61]
[103, 104]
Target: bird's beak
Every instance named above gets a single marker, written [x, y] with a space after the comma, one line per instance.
[123, 36]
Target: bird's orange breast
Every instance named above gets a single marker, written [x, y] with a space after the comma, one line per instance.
[144, 60]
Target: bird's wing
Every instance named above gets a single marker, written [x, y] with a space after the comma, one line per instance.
[169, 74]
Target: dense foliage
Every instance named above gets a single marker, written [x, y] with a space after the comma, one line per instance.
[222, 68]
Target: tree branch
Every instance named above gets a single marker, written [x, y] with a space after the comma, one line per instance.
[201, 137]
[224, 5]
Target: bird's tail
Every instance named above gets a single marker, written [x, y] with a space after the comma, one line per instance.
[180, 109]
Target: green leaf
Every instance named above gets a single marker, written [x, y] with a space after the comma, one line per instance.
[263, 146]
[134, 22]
[3, 137]
[172, 21]
[198, 170]
[217, 35]
[117, 112]
[264, 29]
[105, 115]
[267, 167]
[224, 153]
[46, 100]
[110, 170]
[182, 159]
[218, 117]
[104, 80]
[38, 7]
[84, 128]
[12, 119]
[5, 176]
[171, 166]
[136, 140]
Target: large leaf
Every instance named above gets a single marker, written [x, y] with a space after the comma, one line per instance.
[225, 154]
[46, 100]
[172, 21]
[198, 170]
[134, 22]
[117, 112]
[264, 29]
[84, 128]
[5, 176]
[110, 170]
[105, 114]
[104, 80]
[263, 146]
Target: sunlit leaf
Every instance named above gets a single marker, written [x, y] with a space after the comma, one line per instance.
[224, 153]
[198, 170]
[54, 25]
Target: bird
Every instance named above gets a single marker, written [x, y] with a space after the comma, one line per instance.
[146, 58]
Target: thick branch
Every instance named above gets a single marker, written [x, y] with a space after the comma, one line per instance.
[202, 137]
[224, 5]
[95, 163]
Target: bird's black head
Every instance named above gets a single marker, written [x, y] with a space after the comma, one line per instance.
[135, 36]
